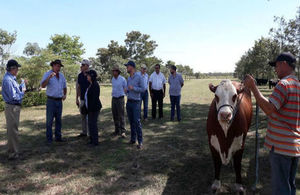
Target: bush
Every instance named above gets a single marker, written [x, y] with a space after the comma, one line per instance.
[30, 99]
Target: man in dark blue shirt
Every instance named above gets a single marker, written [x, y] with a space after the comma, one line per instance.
[82, 85]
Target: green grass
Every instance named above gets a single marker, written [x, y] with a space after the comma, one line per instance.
[175, 159]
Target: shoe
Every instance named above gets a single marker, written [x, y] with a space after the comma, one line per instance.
[13, 156]
[123, 135]
[61, 140]
[114, 134]
[131, 142]
[82, 135]
[140, 146]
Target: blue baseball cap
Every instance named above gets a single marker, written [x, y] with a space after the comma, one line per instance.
[285, 56]
[130, 63]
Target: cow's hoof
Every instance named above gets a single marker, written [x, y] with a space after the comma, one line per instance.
[239, 187]
[216, 185]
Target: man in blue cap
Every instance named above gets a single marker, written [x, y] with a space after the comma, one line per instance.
[135, 86]
[13, 94]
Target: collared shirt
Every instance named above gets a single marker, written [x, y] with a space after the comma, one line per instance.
[83, 83]
[118, 86]
[55, 87]
[145, 79]
[175, 84]
[283, 132]
[138, 86]
[11, 90]
[157, 80]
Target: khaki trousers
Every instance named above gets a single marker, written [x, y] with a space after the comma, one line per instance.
[12, 115]
[84, 121]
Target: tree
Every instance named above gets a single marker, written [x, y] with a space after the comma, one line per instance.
[32, 49]
[69, 50]
[287, 34]
[139, 46]
[6, 41]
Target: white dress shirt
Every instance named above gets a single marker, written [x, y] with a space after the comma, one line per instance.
[157, 80]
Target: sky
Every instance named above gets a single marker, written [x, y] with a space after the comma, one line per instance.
[208, 35]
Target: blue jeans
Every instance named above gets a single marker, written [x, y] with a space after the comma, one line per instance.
[53, 110]
[175, 101]
[283, 173]
[134, 112]
[145, 97]
[93, 127]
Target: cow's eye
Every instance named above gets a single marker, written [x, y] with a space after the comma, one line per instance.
[234, 97]
[217, 98]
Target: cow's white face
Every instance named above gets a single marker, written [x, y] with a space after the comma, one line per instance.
[226, 98]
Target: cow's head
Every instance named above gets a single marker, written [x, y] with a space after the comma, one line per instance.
[226, 95]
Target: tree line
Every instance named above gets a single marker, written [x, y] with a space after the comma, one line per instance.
[35, 60]
[284, 37]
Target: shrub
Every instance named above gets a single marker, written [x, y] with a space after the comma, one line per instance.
[30, 99]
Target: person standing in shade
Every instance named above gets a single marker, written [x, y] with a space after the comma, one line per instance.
[282, 137]
[144, 94]
[93, 105]
[135, 86]
[56, 92]
[176, 83]
[119, 85]
[82, 85]
[12, 94]
[157, 87]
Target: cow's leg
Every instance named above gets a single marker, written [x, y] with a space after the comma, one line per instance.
[217, 163]
[237, 160]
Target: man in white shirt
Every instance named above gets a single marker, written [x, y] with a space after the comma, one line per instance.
[157, 87]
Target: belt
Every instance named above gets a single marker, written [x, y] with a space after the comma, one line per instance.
[15, 104]
[118, 97]
[54, 98]
[132, 100]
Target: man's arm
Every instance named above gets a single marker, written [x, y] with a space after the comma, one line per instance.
[262, 101]
[46, 81]
[78, 93]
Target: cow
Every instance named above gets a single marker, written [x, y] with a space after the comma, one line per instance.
[261, 82]
[273, 83]
[228, 121]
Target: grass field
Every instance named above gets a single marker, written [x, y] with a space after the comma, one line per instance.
[175, 159]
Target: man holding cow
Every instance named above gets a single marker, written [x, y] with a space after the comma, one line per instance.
[283, 132]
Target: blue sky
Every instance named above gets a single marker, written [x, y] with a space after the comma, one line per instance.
[208, 35]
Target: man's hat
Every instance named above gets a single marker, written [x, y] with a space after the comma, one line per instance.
[285, 56]
[130, 63]
[85, 62]
[144, 66]
[12, 63]
[56, 62]
[116, 68]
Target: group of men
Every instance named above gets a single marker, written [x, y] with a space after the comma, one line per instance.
[136, 90]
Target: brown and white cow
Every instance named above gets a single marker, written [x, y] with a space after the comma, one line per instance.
[228, 122]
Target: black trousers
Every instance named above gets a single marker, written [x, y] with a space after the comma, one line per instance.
[158, 96]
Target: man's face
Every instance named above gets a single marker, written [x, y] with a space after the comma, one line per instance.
[56, 68]
[157, 69]
[279, 69]
[129, 69]
[172, 71]
[84, 67]
[115, 73]
[14, 71]
[143, 70]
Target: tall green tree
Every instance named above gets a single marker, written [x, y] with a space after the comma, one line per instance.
[32, 49]
[69, 49]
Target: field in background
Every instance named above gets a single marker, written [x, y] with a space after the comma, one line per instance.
[175, 159]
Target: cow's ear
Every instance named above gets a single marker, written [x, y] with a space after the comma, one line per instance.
[212, 88]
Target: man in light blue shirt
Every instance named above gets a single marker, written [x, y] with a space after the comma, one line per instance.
[56, 92]
[135, 86]
[119, 85]
[144, 94]
[12, 94]
[176, 83]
